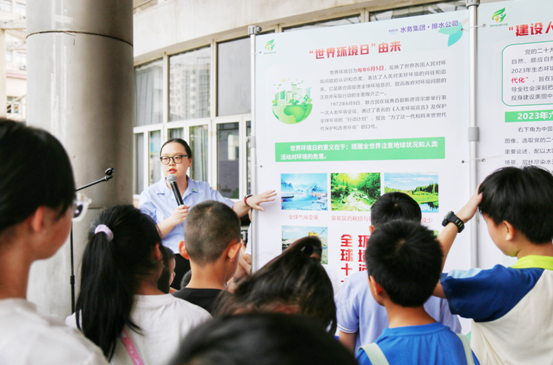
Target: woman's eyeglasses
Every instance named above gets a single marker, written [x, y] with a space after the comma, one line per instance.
[176, 159]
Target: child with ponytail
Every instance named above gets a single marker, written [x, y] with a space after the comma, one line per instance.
[120, 307]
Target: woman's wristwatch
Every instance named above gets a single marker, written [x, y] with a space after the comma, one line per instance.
[246, 199]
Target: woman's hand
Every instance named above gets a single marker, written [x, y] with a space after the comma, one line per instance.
[179, 214]
[255, 200]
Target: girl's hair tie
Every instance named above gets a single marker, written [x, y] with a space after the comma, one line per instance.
[105, 229]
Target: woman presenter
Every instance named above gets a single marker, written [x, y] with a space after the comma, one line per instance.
[158, 200]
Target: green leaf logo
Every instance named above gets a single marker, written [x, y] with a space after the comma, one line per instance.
[499, 15]
[455, 33]
[270, 45]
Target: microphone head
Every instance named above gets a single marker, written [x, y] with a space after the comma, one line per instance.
[171, 178]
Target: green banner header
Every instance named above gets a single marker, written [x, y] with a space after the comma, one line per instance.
[529, 116]
[362, 150]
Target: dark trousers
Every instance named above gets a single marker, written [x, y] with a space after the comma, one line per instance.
[182, 266]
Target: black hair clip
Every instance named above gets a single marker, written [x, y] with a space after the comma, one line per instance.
[310, 250]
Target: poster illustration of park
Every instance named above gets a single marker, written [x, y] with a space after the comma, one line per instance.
[291, 234]
[354, 191]
[423, 187]
[304, 191]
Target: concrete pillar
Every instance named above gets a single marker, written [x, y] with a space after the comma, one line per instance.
[3, 77]
[81, 88]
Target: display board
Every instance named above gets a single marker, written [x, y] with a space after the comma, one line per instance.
[515, 94]
[345, 114]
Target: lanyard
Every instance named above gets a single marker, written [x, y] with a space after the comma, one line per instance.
[131, 349]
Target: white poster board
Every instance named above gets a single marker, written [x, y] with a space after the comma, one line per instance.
[515, 94]
[345, 114]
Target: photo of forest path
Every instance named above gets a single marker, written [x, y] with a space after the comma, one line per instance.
[354, 191]
[423, 187]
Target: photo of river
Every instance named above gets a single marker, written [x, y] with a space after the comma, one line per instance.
[304, 191]
[423, 187]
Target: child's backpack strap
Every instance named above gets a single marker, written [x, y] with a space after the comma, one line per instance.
[468, 351]
[375, 354]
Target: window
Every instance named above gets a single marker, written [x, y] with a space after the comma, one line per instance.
[20, 9]
[228, 147]
[13, 107]
[234, 77]
[199, 143]
[9, 56]
[441, 7]
[326, 23]
[139, 163]
[189, 99]
[154, 162]
[21, 57]
[6, 5]
[149, 93]
[248, 159]
[176, 133]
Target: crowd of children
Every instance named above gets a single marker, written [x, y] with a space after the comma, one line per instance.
[402, 310]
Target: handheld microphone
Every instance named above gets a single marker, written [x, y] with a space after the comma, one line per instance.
[172, 180]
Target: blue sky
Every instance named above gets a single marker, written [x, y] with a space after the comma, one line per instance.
[305, 179]
[298, 232]
[409, 181]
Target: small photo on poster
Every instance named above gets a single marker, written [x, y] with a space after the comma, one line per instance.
[291, 234]
[423, 187]
[354, 191]
[304, 191]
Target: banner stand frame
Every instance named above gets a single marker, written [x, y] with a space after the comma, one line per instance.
[253, 31]
[473, 131]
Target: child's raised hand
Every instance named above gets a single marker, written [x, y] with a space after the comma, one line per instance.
[467, 212]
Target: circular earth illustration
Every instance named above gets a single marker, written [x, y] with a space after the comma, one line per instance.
[292, 114]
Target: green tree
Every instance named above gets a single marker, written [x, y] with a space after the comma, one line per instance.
[370, 184]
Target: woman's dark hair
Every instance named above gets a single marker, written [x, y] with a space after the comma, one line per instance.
[180, 141]
[262, 339]
[293, 282]
[112, 271]
[163, 281]
[50, 184]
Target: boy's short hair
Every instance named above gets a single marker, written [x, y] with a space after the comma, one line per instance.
[393, 206]
[522, 197]
[406, 260]
[186, 279]
[208, 230]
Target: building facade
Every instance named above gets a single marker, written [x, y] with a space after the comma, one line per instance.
[192, 68]
[16, 59]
